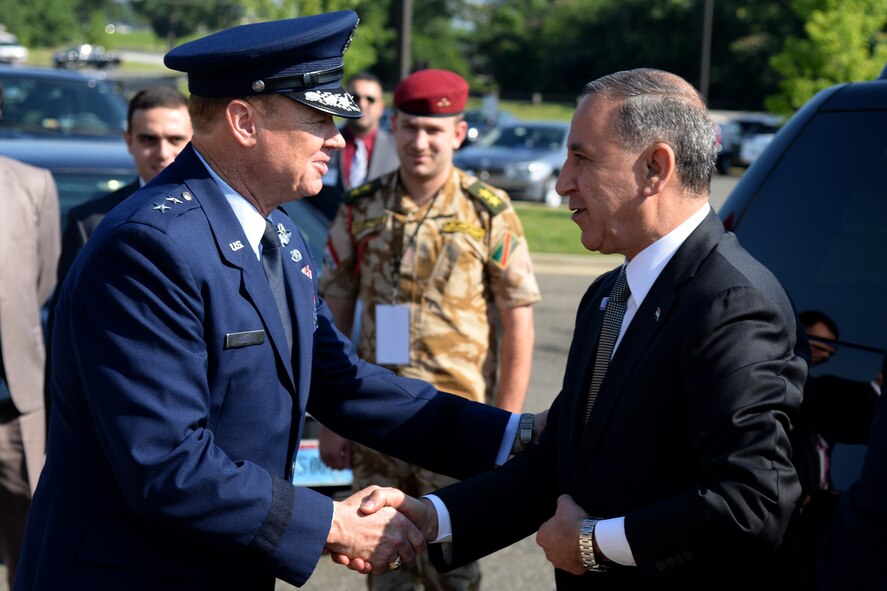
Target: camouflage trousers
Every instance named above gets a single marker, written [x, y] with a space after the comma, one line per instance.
[371, 467]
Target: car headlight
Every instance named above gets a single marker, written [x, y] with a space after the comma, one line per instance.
[531, 171]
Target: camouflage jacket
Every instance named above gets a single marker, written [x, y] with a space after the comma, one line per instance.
[457, 254]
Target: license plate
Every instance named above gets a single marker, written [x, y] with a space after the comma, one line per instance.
[311, 471]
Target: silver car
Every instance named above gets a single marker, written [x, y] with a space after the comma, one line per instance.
[522, 158]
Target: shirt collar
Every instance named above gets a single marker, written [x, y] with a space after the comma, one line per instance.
[250, 219]
[644, 269]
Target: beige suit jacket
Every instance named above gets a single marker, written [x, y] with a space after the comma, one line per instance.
[30, 241]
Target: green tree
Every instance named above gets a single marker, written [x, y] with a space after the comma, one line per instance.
[173, 19]
[39, 23]
[844, 41]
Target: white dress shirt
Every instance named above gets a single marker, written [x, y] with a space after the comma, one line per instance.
[641, 273]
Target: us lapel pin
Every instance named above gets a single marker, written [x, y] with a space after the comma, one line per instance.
[604, 303]
[658, 312]
[236, 245]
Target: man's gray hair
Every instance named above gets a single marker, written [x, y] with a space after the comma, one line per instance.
[658, 107]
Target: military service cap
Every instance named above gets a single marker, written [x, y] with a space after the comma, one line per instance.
[301, 58]
[431, 93]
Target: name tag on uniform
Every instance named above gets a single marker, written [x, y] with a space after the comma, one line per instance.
[392, 334]
[236, 340]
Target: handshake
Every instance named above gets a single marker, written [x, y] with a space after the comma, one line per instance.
[377, 529]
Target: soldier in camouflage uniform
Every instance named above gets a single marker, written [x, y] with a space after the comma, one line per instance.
[448, 252]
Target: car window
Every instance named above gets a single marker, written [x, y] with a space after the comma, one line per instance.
[522, 136]
[40, 106]
[810, 218]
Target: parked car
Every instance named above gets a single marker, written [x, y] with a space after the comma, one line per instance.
[813, 208]
[11, 51]
[94, 56]
[736, 131]
[71, 124]
[480, 123]
[522, 158]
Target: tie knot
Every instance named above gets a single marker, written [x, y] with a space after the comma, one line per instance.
[270, 238]
[621, 290]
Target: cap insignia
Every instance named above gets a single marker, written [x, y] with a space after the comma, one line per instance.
[350, 37]
[258, 86]
[444, 102]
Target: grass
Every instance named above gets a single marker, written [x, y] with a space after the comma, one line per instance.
[549, 229]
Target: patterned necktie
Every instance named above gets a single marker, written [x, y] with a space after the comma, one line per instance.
[358, 173]
[616, 306]
[273, 263]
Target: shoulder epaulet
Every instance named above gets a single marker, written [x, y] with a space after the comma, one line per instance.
[365, 190]
[164, 206]
[488, 197]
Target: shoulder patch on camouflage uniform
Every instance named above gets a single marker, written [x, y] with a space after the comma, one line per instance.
[502, 252]
[365, 190]
[488, 198]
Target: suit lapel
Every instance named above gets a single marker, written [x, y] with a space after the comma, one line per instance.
[234, 249]
[649, 319]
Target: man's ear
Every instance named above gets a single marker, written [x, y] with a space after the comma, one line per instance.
[659, 166]
[461, 132]
[241, 118]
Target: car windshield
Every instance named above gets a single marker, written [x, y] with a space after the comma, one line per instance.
[79, 187]
[37, 106]
[525, 136]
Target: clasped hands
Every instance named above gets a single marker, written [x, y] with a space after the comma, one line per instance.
[376, 529]
[376, 526]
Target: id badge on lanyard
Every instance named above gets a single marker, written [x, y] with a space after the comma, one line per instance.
[393, 334]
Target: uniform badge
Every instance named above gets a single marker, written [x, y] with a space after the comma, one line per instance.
[284, 234]
[161, 207]
[658, 312]
[306, 271]
[236, 245]
[503, 251]
[296, 255]
[174, 200]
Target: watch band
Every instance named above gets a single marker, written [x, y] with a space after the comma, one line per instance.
[525, 429]
[586, 546]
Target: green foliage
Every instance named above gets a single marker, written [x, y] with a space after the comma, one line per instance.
[40, 22]
[844, 41]
[172, 19]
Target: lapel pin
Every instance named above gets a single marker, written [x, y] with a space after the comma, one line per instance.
[306, 271]
[284, 234]
[296, 255]
[604, 303]
[236, 245]
[658, 312]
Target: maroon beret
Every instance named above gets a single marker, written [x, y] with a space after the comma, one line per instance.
[431, 93]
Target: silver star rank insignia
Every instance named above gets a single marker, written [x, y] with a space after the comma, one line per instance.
[174, 200]
[284, 234]
[161, 207]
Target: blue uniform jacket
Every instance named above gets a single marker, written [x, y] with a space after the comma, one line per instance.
[177, 409]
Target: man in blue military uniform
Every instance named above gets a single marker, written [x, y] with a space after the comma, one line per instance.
[189, 334]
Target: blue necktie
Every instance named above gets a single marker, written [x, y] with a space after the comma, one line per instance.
[273, 263]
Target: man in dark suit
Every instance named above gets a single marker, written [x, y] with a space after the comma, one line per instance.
[852, 550]
[191, 341]
[666, 464]
[369, 150]
[158, 127]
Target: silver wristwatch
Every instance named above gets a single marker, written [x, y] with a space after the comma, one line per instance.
[525, 429]
[586, 546]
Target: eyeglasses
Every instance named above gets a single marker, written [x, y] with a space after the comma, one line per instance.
[369, 98]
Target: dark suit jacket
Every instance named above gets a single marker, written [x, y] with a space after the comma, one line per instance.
[687, 440]
[82, 221]
[383, 160]
[853, 549]
[178, 408]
